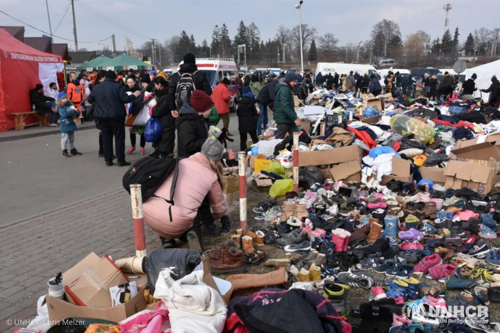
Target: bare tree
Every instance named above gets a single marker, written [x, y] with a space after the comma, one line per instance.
[172, 48]
[382, 33]
[284, 37]
[415, 46]
[308, 34]
[327, 42]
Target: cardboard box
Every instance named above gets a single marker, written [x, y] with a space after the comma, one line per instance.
[348, 171]
[330, 156]
[492, 138]
[479, 178]
[372, 120]
[400, 171]
[378, 103]
[435, 174]
[88, 282]
[61, 309]
[486, 151]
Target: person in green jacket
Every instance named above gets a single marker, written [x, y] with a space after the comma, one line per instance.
[284, 106]
[255, 85]
[213, 117]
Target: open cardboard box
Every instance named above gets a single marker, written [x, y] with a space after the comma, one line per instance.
[492, 138]
[435, 174]
[378, 103]
[348, 171]
[60, 309]
[372, 120]
[477, 177]
[400, 171]
[330, 156]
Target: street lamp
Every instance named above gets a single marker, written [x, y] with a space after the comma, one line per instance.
[299, 7]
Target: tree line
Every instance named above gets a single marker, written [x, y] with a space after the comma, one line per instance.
[386, 41]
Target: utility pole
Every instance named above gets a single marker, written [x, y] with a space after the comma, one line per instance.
[278, 58]
[48, 15]
[114, 45]
[159, 53]
[74, 25]
[284, 53]
[153, 52]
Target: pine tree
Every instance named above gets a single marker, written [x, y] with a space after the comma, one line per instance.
[469, 45]
[456, 41]
[313, 53]
[215, 41]
[253, 36]
[436, 46]
[225, 42]
[204, 49]
[446, 42]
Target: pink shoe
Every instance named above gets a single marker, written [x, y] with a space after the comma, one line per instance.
[377, 205]
[377, 293]
[411, 246]
[130, 150]
[441, 271]
[143, 151]
[398, 320]
[318, 232]
[428, 262]
[399, 300]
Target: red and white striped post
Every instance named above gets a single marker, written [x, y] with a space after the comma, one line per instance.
[242, 163]
[138, 219]
[296, 161]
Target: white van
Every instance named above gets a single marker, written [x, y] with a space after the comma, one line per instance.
[384, 72]
[216, 69]
[387, 62]
[341, 68]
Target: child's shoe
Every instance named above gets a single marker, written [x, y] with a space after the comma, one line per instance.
[74, 152]
[143, 151]
[130, 150]
[65, 153]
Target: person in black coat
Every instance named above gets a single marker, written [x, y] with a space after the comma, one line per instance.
[247, 117]
[266, 99]
[469, 87]
[192, 129]
[336, 79]
[304, 90]
[319, 80]
[40, 101]
[494, 91]
[109, 113]
[165, 146]
[199, 79]
[329, 81]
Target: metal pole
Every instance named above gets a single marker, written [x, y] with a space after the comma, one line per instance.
[114, 44]
[284, 53]
[242, 163]
[245, 48]
[74, 25]
[301, 46]
[296, 162]
[48, 15]
[138, 220]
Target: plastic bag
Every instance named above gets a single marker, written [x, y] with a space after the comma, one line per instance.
[436, 159]
[405, 125]
[281, 187]
[370, 112]
[41, 321]
[277, 168]
[310, 175]
[153, 130]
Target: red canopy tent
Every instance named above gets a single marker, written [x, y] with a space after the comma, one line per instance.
[20, 71]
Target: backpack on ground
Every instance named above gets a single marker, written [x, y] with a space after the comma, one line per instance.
[184, 89]
[150, 173]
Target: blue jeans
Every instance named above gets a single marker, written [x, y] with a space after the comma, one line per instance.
[262, 118]
[53, 115]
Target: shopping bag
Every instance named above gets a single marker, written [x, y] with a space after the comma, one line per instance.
[153, 130]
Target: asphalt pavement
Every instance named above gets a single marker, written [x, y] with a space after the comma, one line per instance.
[55, 211]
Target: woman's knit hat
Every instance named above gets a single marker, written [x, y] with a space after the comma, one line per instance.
[212, 149]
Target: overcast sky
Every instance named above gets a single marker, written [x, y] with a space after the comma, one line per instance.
[139, 20]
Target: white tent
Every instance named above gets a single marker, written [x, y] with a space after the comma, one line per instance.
[484, 74]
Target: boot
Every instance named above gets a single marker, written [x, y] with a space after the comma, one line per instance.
[252, 256]
[65, 153]
[288, 211]
[314, 273]
[74, 152]
[227, 261]
[226, 225]
[304, 275]
[372, 220]
[430, 210]
[259, 240]
[225, 246]
[251, 234]
[359, 234]
[194, 238]
[338, 240]
[345, 242]
[374, 234]
[246, 281]
[301, 211]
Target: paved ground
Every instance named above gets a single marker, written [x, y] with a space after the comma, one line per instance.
[55, 211]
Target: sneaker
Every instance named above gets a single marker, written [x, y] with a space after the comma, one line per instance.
[407, 328]
[264, 205]
[398, 320]
[397, 288]
[479, 250]
[412, 235]
[453, 282]
[383, 266]
[377, 293]
[130, 150]
[399, 271]
[65, 153]
[304, 246]
[369, 263]
[412, 291]
[493, 257]
[335, 291]
[439, 272]
[483, 325]
[482, 274]
[465, 298]
[428, 262]
[143, 151]
[486, 232]
[355, 279]
[294, 237]
[428, 310]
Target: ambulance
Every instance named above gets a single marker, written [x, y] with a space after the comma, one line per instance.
[215, 69]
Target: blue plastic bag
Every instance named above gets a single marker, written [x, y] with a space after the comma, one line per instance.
[153, 130]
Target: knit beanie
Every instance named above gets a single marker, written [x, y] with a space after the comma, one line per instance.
[212, 149]
[200, 101]
[146, 78]
[189, 58]
[474, 76]
[61, 95]
[111, 75]
[291, 77]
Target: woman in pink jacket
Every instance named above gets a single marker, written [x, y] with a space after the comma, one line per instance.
[199, 175]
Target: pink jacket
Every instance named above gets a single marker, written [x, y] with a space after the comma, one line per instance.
[196, 179]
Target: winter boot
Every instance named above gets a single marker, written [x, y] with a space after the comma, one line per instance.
[338, 240]
[301, 211]
[374, 234]
[430, 210]
[359, 234]
[314, 273]
[288, 211]
[74, 152]
[345, 241]
[246, 281]
[304, 275]
[65, 153]
[226, 225]
[251, 255]
[372, 220]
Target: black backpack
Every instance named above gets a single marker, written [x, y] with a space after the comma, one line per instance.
[184, 89]
[150, 173]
